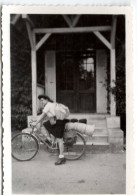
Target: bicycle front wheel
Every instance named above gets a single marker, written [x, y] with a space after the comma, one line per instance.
[24, 147]
[74, 151]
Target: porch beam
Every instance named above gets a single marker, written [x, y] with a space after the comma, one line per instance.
[27, 18]
[103, 39]
[113, 31]
[15, 19]
[75, 21]
[29, 26]
[67, 19]
[72, 30]
[30, 35]
[42, 41]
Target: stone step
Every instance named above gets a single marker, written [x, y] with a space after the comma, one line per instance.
[95, 147]
[99, 135]
[95, 143]
[88, 116]
[102, 131]
[98, 119]
[97, 139]
[99, 123]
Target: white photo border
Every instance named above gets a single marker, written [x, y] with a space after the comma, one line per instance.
[6, 11]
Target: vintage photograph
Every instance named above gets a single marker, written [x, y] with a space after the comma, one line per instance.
[68, 106]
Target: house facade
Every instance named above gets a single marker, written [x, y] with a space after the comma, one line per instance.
[79, 63]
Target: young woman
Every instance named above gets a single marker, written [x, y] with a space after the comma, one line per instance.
[53, 126]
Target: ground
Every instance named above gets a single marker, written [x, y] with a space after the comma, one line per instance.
[92, 174]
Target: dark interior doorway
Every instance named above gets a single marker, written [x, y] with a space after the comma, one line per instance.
[76, 76]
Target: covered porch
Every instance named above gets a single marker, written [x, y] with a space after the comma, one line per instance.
[68, 85]
[74, 75]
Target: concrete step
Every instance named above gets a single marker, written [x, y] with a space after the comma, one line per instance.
[102, 131]
[98, 119]
[99, 122]
[95, 147]
[98, 143]
[88, 116]
[99, 136]
[97, 139]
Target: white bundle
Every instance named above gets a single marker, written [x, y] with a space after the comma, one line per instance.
[81, 127]
[70, 126]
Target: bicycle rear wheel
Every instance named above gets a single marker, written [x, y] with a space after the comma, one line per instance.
[24, 147]
[76, 150]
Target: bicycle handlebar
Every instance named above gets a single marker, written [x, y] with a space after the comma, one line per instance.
[33, 127]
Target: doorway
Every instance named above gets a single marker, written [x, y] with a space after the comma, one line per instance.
[76, 80]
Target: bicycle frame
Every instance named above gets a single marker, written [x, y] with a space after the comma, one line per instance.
[40, 139]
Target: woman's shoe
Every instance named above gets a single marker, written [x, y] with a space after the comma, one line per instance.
[60, 161]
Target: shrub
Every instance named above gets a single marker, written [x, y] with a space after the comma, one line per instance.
[21, 100]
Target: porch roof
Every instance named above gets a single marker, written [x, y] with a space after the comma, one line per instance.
[59, 20]
[55, 24]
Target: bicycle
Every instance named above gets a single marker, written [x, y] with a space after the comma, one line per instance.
[25, 146]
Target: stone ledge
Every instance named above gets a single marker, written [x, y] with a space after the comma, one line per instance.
[116, 139]
[113, 122]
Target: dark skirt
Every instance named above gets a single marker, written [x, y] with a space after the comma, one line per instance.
[57, 129]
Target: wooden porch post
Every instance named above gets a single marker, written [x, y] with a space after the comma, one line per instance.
[112, 81]
[113, 65]
[34, 75]
[34, 82]
[32, 39]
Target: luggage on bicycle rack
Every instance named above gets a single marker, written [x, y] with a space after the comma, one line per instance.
[69, 137]
[81, 127]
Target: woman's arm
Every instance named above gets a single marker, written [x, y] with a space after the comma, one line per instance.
[43, 115]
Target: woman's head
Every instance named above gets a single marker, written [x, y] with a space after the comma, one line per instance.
[44, 99]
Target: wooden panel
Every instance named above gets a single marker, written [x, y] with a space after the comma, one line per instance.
[50, 75]
[86, 103]
[101, 76]
[68, 99]
[76, 81]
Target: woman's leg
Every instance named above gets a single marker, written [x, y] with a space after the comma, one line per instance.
[61, 146]
[61, 159]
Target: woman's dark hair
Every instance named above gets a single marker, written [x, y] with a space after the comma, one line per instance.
[45, 97]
